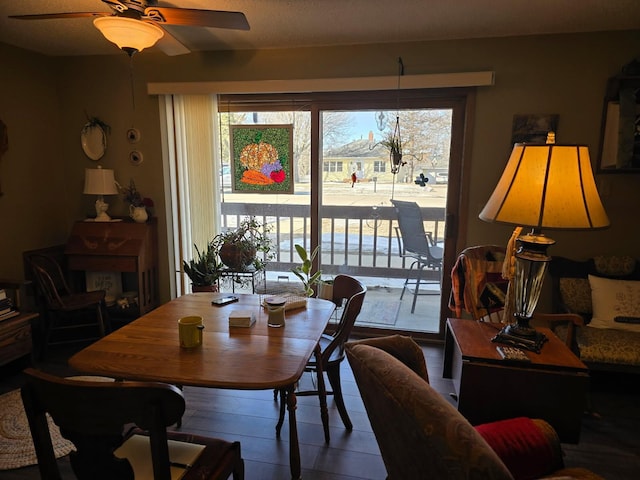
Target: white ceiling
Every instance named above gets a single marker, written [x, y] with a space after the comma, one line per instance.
[287, 23]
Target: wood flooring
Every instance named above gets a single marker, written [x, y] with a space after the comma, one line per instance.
[609, 445]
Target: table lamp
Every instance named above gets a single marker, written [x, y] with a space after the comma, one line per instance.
[100, 181]
[543, 186]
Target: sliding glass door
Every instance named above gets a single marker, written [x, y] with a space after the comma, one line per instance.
[343, 183]
[359, 235]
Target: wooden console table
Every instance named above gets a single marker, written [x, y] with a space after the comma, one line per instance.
[126, 247]
[552, 386]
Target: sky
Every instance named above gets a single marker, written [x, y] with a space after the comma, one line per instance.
[363, 122]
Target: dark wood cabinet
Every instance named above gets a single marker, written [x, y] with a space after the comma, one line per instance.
[125, 247]
[15, 326]
[15, 337]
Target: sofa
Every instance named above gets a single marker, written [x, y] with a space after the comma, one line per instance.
[421, 435]
[605, 292]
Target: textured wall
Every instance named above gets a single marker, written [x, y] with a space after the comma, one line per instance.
[45, 102]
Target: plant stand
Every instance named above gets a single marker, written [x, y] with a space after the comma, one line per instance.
[250, 274]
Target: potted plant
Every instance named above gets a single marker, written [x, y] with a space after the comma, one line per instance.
[325, 289]
[239, 248]
[137, 203]
[204, 269]
[393, 142]
[303, 271]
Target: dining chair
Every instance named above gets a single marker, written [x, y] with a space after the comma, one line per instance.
[348, 293]
[479, 290]
[477, 285]
[119, 430]
[65, 310]
[417, 245]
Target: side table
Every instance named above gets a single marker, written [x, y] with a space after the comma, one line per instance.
[552, 386]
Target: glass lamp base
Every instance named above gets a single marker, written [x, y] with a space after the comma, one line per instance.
[521, 337]
[521, 331]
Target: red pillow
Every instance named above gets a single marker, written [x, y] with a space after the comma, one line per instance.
[521, 445]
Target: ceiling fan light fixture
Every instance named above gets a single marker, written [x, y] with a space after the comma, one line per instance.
[129, 34]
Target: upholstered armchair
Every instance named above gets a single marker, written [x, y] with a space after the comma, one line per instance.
[421, 435]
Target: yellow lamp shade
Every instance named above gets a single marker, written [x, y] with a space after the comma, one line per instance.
[547, 186]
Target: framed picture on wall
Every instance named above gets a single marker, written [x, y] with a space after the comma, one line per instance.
[262, 158]
[620, 131]
[533, 128]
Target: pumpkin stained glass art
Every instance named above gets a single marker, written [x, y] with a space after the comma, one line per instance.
[262, 158]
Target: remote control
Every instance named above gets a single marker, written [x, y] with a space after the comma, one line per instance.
[622, 319]
[512, 353]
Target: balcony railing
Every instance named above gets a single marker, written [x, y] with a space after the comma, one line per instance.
[359, 241]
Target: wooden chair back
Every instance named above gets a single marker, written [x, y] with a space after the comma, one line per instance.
[349, 292]
[62, 308]
[50, 281]
[98, 416]
[477, 285]
[93, 415]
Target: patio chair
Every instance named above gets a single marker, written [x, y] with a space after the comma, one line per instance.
[417, 245]
[119, 430]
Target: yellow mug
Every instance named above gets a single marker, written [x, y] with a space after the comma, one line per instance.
[190, 331]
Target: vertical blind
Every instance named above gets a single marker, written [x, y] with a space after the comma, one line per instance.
[192, 165]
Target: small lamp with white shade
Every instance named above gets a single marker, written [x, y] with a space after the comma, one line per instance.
[100, 181]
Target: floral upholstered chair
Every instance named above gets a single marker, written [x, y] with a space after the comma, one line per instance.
[605, 292]
[421, 435]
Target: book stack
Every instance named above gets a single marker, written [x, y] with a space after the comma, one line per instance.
[242, 318]
[7, 309]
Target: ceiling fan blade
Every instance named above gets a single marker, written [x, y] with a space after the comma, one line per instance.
[47, 16]
[171, 46]
[200, 18]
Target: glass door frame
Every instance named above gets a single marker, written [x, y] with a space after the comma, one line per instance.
[462, 103]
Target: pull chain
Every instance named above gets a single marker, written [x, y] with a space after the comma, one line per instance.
[133, 94]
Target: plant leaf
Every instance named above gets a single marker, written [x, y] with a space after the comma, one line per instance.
[302, 253]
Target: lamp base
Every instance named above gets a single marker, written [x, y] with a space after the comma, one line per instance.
[520, 331]
[102, 217]
[101, 210]
[521, 337]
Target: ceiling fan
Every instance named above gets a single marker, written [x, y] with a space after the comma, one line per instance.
[136, 24]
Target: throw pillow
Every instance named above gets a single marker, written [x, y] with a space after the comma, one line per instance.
[614, 298]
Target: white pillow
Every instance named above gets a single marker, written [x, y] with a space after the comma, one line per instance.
[614, 298]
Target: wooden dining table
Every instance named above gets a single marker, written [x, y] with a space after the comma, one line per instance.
[243, 358]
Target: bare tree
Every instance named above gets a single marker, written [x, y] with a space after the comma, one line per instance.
[425, 135]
